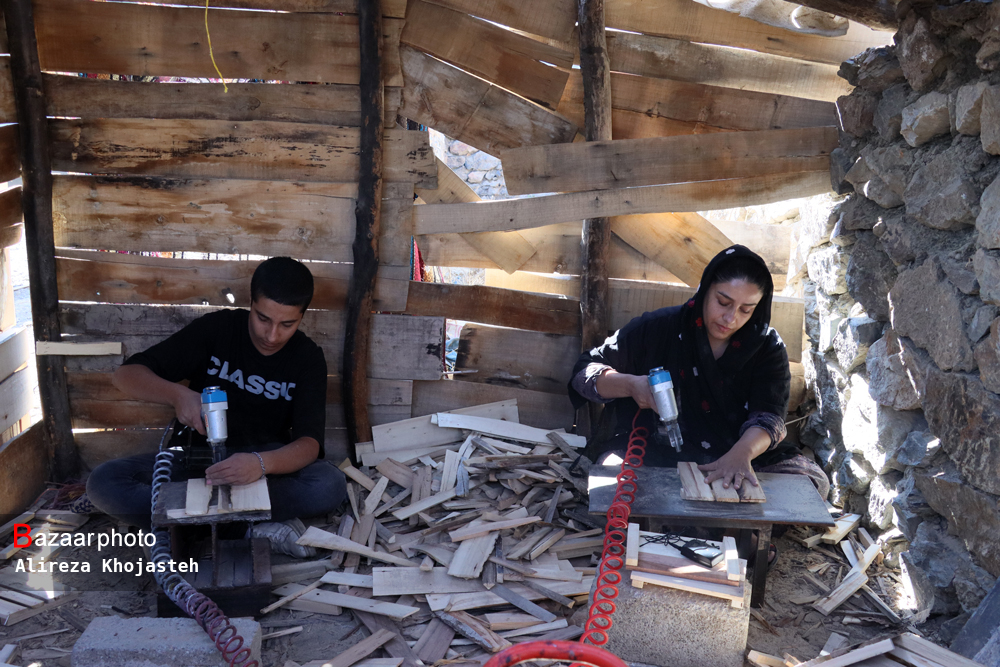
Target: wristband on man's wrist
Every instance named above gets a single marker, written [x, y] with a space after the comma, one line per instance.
[263, 471]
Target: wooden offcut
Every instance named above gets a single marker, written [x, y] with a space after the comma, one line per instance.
[316, 537]
[250, 497]
[654, 161]
[199, 493]
[503, 429]
[733, 594]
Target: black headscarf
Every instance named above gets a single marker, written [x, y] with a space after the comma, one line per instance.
[716, 396]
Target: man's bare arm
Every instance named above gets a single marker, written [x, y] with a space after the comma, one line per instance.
[139, 382]
[245, 468]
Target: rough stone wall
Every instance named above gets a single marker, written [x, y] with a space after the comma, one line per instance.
[903, 296]
[479, 169]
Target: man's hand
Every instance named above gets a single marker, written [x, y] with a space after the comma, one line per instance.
[187, 405]
[733, 468]
[237, 469]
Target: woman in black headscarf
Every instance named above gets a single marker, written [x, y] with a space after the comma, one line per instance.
[730, 374]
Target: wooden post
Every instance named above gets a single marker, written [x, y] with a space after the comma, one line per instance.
[597, 110]
[36, 201]
[877, 14]
[367, 214]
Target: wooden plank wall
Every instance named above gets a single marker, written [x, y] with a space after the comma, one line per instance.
[149, 170]
[754, 102]
[170, 192]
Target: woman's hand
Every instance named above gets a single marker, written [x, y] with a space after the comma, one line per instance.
[237, 469]
[612, 384]
[733, 468]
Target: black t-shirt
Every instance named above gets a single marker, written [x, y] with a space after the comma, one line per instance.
[276, 398]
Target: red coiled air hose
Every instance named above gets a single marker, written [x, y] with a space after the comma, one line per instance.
[613, 555]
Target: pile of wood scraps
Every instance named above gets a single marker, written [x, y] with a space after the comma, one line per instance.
[651, 561]
[40, 521]
[459, 538]
[23, 595]
[905, 650]
[855, 578]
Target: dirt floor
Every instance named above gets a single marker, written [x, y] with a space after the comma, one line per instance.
[780, 627]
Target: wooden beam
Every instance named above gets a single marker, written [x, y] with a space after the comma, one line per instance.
[654, 161]
[681, 60]
[514, 61]
[670, 107]
[526, 213]
[473, 110]
[360, 298]
[36, 197]
[329, 104]
[254, 150]
[596, 72]
[553, 19]
[509, 250]
[877, 14]
[694, 22]
[76, 36]
[493, 305]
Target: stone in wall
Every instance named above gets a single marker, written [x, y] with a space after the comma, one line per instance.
[981, 322]
[828, 269]
[889, 112]
[855, 474]
[874, 432]
[831, 310]
[830, 386]
[988, 358]
[926, 119]
[909, 507]
[942, 194]
[973, 516]
[881, 493]
[918, 450]
[856, 112]
[870, 276]
[988, 220]
[894, 164]
[888, 383]
[922, 56]
[966, 417]
[877, 69]
[987, 267]
[928, 309]
[858, 213]
[854, 336]
[960, 584]
[961, 273]
[989, 120]
[917, 363]
[968, 107]
[904, 239]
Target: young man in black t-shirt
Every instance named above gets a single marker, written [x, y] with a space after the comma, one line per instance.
[275, 380]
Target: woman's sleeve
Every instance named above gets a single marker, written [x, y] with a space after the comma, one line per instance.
[620, 351]
[771, 383]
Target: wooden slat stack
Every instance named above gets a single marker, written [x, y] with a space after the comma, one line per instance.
[467, 541]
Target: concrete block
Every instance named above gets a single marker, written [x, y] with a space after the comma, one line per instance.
[111, 641]
[662, 626]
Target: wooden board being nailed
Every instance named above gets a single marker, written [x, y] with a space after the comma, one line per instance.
[693, 487]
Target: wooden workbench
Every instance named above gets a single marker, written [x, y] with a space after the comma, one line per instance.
[791, 500]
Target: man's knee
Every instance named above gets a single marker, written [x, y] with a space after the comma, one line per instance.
[326, 487]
